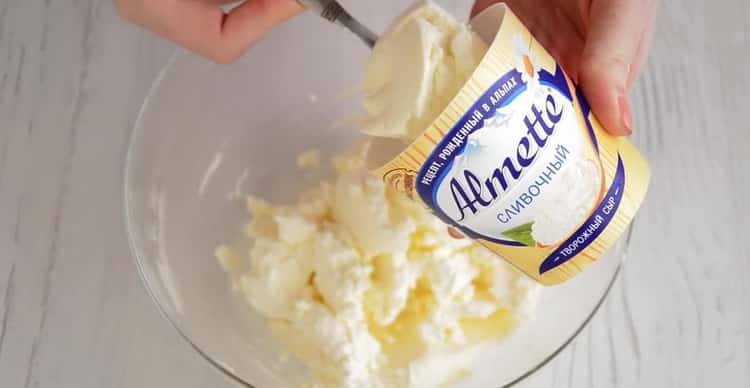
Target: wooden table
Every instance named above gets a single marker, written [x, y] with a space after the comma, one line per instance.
[74, 314]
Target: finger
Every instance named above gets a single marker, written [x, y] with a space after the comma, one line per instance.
[205, 29]
[481, 5]
[615, 32]
[252, 20]
[564, 41]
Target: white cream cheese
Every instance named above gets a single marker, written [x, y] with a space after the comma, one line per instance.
[415, 69]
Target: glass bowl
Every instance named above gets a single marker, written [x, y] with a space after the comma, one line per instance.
[209, 134]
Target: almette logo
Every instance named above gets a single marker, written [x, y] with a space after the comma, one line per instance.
[472, 193]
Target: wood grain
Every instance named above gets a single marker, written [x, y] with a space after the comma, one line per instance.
[73, 312]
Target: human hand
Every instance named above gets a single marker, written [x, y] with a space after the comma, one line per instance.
[203, 27]
[601, 44]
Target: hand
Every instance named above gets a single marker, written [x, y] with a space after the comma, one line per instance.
[203, 27]
[601, 44]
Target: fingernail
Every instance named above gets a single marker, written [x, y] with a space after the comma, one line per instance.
[627, 117]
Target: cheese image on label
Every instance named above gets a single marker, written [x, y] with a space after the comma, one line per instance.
[518, 162]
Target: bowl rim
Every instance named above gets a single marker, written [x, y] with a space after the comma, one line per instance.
[228, 372]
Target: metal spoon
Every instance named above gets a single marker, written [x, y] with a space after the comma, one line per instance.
[332, 11]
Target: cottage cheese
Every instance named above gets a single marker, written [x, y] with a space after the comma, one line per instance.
[368, 289]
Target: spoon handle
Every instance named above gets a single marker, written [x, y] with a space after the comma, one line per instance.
[332, 11]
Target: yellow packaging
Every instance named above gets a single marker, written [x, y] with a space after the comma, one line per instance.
[518, 162]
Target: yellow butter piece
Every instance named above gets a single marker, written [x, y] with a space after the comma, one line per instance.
[309, 159]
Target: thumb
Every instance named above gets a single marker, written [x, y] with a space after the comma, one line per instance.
[612, 40]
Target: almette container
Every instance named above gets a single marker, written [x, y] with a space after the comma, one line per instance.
[519, 163]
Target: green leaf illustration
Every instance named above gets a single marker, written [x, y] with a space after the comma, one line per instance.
[522, 234]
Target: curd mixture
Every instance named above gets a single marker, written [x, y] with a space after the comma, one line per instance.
[361, 283]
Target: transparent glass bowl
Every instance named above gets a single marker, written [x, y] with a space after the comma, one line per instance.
[209, 134]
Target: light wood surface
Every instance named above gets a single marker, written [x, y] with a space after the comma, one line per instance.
[74, 314]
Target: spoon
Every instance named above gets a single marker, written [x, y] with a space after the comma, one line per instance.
[332, 11]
